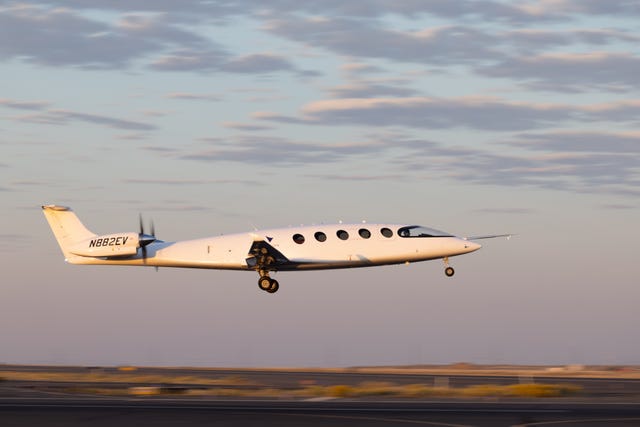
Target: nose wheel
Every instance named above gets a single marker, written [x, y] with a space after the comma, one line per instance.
[448, 271]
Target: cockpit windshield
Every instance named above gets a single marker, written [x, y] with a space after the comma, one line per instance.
[419, 231]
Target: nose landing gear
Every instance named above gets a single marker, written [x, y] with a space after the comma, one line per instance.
[448, 271]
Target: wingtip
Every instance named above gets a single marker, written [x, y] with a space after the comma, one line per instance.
[56, 208]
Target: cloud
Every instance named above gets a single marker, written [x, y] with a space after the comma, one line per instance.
[366, 89]
[193, 96]
[189, 182]
[245, 126]
[582, 142]
[474, 112]
[257, 63]
[262, 150]
[552, 160]
[359, 177]
[571, 72]
[185, 11]
[190, 60]
[617, 111]
[61, 117]
[163, 36]
[155, 113]
[597, 161]
[586, 7]
[618, 206]
[508, 211]
[159, 149]
[590, 173]
[358, 69]
[279, 118]
[191, 11]
[132, 137]
[24, 105]
[64, 37]
[606, 163]
[429, 112]
[534, 40]
[58, 37]
[360, 39]
[219, 61]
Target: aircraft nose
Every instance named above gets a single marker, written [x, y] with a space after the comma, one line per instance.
[470, 246]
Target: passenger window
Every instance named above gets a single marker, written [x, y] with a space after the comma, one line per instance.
[386, 232]
[298, 238]
[320, 236]
[342, 235]
[364, 233]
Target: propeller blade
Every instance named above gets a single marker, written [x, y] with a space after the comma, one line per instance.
[145, 239]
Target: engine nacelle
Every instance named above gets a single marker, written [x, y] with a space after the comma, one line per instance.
[108, 245]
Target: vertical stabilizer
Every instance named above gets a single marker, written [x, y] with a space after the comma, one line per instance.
[66, 227]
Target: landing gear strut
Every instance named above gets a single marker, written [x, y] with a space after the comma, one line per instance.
[266, 283]
[264, 259]
[448, 271]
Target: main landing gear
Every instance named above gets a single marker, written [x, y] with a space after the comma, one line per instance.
[268, 284]
[263, 261]
[448, 271]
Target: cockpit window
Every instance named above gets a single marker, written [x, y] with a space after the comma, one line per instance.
[418, 231]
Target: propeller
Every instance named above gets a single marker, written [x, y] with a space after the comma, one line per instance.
[145, 239]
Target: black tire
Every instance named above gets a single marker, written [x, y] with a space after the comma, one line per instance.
[264, 283]
[449, 271]
[274, 287]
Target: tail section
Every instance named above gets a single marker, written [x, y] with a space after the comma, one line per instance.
[66, 226]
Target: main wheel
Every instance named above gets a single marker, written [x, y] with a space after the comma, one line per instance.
[264, 283]
[449, 271]
[274, 287]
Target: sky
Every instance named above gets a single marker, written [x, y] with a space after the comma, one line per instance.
[213, 117]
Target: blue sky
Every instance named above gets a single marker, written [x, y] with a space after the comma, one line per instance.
[210, 117]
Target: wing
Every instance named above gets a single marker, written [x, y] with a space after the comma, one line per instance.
[492, 236]
[263, 256]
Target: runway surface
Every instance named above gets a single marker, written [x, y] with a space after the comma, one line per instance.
[168, 412]
[33, 402]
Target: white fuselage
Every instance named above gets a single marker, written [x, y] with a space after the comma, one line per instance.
[306, 248]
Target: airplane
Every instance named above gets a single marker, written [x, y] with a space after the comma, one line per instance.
[316, 247]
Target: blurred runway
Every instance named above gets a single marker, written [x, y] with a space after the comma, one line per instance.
[41, 401]
[103, 412]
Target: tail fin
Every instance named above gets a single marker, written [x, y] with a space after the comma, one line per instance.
[66, 227]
